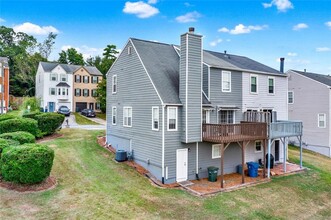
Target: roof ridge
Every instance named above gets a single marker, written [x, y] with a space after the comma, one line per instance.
[150, 41]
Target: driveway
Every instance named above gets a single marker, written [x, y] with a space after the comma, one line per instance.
[70, 122]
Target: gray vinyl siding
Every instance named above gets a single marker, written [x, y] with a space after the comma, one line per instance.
[310, 99]
[134, 89]
[217, 97]
[193, 61]
[205, 79]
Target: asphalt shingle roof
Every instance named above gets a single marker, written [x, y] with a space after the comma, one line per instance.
[325, 79]
[48, 67]
[93, 70]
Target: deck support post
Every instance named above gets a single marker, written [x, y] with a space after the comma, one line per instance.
[243, 162]
[300, 141]
[222, 165]
[285, 155]
[269, 147]
[265, 142]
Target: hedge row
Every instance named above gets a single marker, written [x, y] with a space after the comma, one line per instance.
[20, 124]
[22, 137]
[27, 164]
[48, 123]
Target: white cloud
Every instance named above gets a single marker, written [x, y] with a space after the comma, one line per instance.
[34, 29]
[300, 26]
[188, 17]
[242, 29]
[215, 42]
[141, 9]
[2, 20]
[323, 49]
[282, 5]
[328, 24]
[188, 4]
[152, 1]
[290, 54]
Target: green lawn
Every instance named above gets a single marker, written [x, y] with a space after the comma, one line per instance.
[91, 185]
[82, 120]
[101, 115]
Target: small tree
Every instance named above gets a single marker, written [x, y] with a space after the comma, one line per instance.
[33, 102]
[102, 94]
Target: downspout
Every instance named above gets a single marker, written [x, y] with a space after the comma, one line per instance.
[163, 107]
[197, 162]
[269, 146]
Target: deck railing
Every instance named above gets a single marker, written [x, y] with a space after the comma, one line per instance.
[226, 133]
[285, 129]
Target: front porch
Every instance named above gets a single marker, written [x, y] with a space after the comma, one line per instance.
[233, 181]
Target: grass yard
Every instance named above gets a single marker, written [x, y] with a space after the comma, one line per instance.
[91, 185]
[101, 115]
[82, 120]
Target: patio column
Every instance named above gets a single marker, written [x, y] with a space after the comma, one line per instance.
[222, 165]
[243, 161]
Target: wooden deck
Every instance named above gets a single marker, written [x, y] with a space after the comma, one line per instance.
[227, 133]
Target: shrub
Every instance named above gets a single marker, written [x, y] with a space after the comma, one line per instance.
[28, 163]
[48, 123]
[20, 124]
[4, 117]
[22, 137]
[33, 102]
[5, 144]
[31, 114]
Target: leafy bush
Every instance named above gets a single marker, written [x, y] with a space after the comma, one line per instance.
[48, 123]
[4, 117]
[31, 114]
[22, 137]
[28, 163]
[20, 124]
[33, 102]
[5, 144]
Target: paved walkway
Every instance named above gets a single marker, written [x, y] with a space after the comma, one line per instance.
[70, 122]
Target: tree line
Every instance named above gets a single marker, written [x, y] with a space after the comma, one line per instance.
[24, 53]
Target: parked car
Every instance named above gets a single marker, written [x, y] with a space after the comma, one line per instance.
[88, 113]
[64, 110]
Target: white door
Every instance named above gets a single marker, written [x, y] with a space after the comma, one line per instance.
[181, 167]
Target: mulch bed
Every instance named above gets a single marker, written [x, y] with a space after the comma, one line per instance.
[47, 184]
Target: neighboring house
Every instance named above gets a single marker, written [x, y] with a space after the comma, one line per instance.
[309, 100]
[179, 109]
[4, 85]
[86, 79]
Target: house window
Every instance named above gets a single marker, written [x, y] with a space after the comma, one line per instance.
[129, 50]
[63, 78]
[258, 146]
[205, 116]
[63, 91]
[59, 91]
[290, 97]
[53, 77]
[172, 118]
[114, 85]
[226, 81]
[216, 151]
[86, 79]
[77, 78]
[77, 92]
[86, 92]
[97, 106]
[95, 79]
[322, 120]
[94, 93]
[226, 117]
[271, 85]
[253, 83]
[114, 115]
[155, 118]
[52, 91]
[127, 116]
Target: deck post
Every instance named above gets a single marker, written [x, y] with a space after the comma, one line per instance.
[269, 146]
[285, 156]
[300, 140]
[263, 158]
[243, 162]
[222, 165]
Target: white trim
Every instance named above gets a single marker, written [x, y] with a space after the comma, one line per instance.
[176, 108]
[146, 71]
[318, 120]
[201, 88]
[212, 151]
[274, 85]
[129, 50]
[197, 158]
[112, 115]
[208, 82]
[230, 80]
[292, 97]
[124, 125]
[250, 84]
[158, 118]
[113, 84]
[163, 141]
[186, 91]
[256, 151]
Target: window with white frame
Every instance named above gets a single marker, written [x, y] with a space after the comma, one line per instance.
[226, 117]
[205, 116]
[86, 92]
[226, 81]
[216, 151]
[114, 115]
[290, 97]
[53, 77]
[114, 84]
[322, 120]
[97, 106]
[258, 146]
[64, 91]
[129, 50]
[77, 78]
[95, 79]
[271, 85]
[63, 77]
[94, 93]
[127, 116]
[52, 91]
[253, 84]
[172, 118]
[155, 118]
[77, 92]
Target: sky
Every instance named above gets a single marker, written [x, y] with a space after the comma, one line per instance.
[263, 30]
